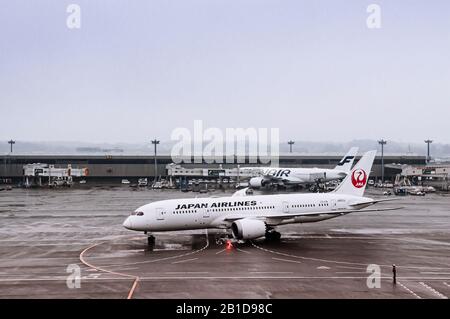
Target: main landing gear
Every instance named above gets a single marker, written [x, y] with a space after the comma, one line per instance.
[273, 235]
[151, 241]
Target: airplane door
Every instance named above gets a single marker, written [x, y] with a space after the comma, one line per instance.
[160, 214]
[203, 216]
[333, 204]
[285, 207]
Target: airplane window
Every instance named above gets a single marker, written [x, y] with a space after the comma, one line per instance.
[140, 214]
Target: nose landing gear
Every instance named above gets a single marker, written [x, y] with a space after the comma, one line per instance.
[273, 235]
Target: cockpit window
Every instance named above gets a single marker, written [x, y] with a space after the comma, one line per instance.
[140, 214]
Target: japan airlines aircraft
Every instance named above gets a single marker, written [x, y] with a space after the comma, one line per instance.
[251, 217]
[297, 176]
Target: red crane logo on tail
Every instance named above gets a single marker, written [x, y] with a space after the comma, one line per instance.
[359, 178]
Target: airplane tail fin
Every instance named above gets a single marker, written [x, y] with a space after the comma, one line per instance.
[355, 182]
[346, 162]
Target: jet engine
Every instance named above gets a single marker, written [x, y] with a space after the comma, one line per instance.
[257, 182]
[248, 228]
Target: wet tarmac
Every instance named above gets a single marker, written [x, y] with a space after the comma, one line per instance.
[43, 232]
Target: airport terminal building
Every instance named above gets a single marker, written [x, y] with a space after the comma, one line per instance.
[112, 168]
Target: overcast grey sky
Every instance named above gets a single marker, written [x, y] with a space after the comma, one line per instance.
[137, 69]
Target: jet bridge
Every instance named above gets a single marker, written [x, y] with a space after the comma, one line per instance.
[39, 174]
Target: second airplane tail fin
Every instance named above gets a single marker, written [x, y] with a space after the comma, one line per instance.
[346, 162]
[355, 182]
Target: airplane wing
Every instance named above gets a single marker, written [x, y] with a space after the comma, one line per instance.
[241, 192]
[373, 202]
[292, 180]
[282, 216]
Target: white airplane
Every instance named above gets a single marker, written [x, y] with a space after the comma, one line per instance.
[251, 217]
[297, 176]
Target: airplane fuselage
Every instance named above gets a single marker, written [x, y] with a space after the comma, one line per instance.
[200, 213]
[300, 175]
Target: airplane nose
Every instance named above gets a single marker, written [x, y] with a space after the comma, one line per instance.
[127, 223]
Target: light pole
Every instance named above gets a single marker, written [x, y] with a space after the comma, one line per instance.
[155, 142]
[11, 142]
[382, 143]
[290, 145]
[428, 150]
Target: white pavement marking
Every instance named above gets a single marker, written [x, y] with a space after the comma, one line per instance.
[409, 290]
[291, 261]
[446, 284]
[183, 261]
[348, 267]
[434, 273]
[271, 272]
[221, 251]
[60, 279]
[63, 278]
[437, 293]
[187, 272]
[323, 267]
[351, 272]
[250, 277]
